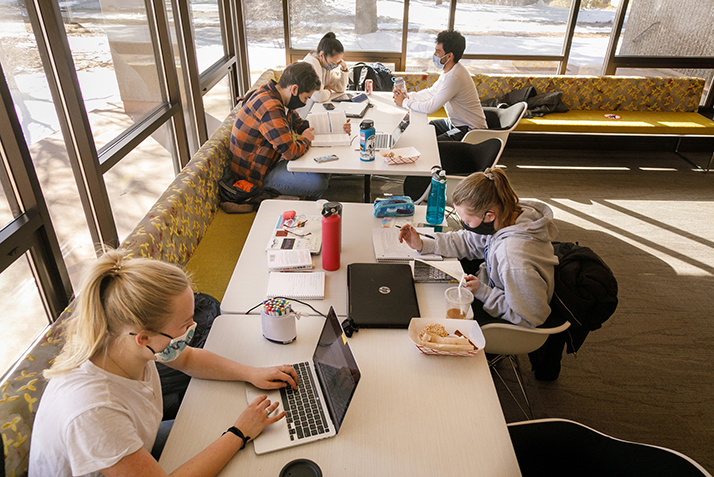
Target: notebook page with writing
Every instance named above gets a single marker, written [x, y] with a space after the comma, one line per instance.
[388, 248]
[300, 285]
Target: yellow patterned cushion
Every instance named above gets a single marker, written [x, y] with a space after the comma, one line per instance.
[602, 93]
[20, 392]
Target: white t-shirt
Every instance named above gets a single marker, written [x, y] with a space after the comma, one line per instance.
[456, 93]
[89, 419]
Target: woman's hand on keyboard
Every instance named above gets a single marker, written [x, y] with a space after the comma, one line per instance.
[257, 416]
[274, 377]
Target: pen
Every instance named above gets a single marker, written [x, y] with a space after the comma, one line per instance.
[423, 235]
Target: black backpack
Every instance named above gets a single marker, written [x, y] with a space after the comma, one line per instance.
[585, 295]
[585, 288]
[380, 75]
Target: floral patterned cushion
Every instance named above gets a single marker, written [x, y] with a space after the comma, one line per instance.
[605, 93]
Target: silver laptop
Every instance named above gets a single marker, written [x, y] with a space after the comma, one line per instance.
[388, 141]
[325, 389]
[353, 110]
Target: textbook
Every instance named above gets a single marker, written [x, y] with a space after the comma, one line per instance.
[329, 128]
[299, 285]
[299, 259]
[302, 232]
[387, 247]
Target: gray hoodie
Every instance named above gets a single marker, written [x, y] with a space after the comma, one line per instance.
[518, 275]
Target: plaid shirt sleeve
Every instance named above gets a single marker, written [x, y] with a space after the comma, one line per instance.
[262, 135]
[275, 127]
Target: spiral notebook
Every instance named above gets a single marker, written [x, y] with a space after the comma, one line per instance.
[300, 285]
[387, 247]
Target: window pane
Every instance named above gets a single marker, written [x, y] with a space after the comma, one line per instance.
[23, 317]
[511, 67]
[361, 25]
[667, 28]
[591, 37]
[266, 39]
[217, 103]
[207, 32]
[40, 126]
[139, 179]
[536, 29]
[426, 19]
[116, 66]
[6, 214]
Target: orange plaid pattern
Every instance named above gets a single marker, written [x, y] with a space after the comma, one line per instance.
[262, 134]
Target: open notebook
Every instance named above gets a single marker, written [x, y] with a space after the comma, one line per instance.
[300, 285]
[387, 246]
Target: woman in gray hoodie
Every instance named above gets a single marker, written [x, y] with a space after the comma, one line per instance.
[516, 280]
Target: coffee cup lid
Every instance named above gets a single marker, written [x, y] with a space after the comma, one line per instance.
[301, 468]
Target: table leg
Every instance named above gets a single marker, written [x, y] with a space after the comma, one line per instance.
[367, 191]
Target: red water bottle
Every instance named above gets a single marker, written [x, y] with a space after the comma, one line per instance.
[331, 239]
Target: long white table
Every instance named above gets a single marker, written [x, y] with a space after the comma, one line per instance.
[412, 414]
[386, 115]
[249, 282]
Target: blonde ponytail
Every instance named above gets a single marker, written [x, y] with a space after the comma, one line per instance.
[481, 191]
[117, 292]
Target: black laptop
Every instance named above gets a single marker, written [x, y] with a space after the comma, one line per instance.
[381, 295]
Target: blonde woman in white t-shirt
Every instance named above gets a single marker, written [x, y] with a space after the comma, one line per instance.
[101, 410]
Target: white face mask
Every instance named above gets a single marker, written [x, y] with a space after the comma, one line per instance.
[175, 347]
[437, 62]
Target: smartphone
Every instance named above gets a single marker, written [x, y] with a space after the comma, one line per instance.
[329, 106]
[331, 157]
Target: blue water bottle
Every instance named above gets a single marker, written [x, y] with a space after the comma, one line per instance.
[436, 203]
[366, 140]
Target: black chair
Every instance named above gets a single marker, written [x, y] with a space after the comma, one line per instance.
[457, 159]
[559, 447]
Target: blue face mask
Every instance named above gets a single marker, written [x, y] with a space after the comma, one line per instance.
[175, 347]
[437, 62]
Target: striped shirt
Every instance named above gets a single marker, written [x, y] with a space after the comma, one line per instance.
[263, 133]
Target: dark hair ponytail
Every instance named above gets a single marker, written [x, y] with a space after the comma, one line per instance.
[329, 45]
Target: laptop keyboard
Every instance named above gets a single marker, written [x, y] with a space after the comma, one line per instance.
[304, 413]
[425, 273]
[382, 141]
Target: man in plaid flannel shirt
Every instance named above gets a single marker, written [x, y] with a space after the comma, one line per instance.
[268, 133]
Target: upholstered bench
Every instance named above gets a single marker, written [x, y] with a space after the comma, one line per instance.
[601, 105]
[185, 216]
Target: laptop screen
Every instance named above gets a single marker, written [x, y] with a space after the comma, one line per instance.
[336, 369]
[401, 127]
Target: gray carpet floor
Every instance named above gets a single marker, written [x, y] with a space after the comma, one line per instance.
[648, 374]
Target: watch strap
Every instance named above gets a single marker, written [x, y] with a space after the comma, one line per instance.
[237, 432]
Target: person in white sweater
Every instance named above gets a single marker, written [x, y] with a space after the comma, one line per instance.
[515, 282]
[454, 91]
[329, 64]
[102, 408]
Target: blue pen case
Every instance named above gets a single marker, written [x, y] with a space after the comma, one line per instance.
[398, 206]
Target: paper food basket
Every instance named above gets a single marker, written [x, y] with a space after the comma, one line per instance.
[402, 155]
[470, 328]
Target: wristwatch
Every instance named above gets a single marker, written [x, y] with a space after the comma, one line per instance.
[237, 432]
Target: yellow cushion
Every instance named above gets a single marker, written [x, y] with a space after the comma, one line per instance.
[630, 122]
[212, 264]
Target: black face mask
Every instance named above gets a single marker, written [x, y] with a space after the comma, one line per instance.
[295, 102]
[484, 228]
